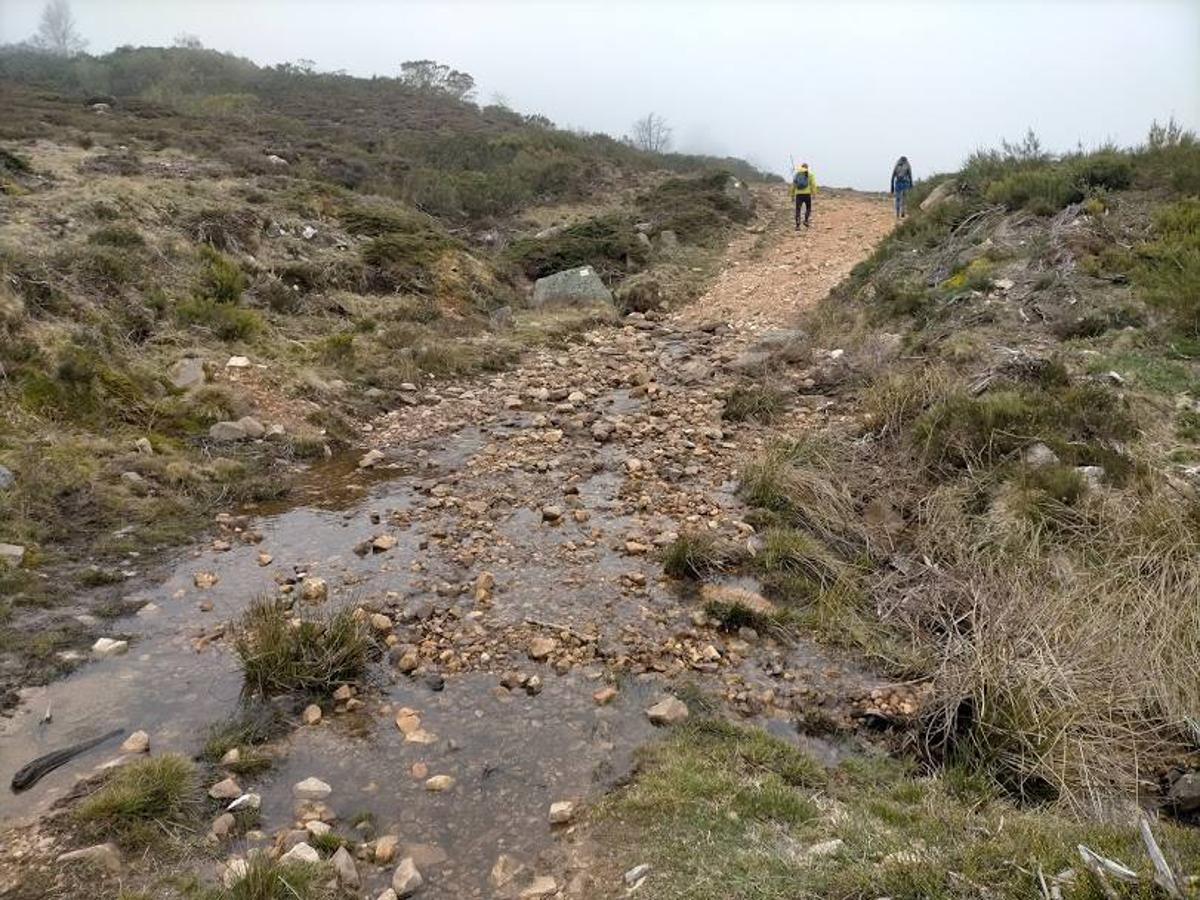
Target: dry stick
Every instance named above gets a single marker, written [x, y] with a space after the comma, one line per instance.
[1164, 878]
[1102, 868]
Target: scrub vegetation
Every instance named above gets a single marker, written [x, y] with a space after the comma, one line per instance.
[352, 238]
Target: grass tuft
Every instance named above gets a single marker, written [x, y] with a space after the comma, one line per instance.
[697, 555]
[143, 798]
[279, 656]
[754, 403]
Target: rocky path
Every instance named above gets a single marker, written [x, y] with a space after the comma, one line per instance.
[503, 538]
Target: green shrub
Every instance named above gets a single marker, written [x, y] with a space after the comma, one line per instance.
[1043, 191]
[222, 279]
[316, 657]
[699, 210]
[375, 221]
[604, 243]
[1061, 483]
[964, 431]
[1169, 272]
[122, 236]
[104, 267]
[227, 322]
[1110, 170]
[404, 261]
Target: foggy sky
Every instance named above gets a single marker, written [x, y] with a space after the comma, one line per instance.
[845, 86]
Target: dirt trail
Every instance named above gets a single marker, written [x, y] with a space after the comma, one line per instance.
[524, 513]
[763, 289]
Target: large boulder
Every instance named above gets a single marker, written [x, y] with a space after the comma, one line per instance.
[940, 194]
[188, 373]
[574, 287]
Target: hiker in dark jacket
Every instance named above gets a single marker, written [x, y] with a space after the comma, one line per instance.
[902, 181]
[804, 185]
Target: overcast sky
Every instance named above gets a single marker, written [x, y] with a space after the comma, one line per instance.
[846, 86]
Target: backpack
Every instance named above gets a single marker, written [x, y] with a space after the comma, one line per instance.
[800, 180]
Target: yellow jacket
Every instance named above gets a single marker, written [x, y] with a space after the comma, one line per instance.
[812, 185]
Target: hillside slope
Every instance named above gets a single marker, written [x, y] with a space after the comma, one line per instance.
[206, 242]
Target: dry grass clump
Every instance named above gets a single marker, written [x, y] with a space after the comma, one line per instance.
[797, 481]
[280, 655]
[754, 403]
[891, 402]
[698, 555]
[1068, 666]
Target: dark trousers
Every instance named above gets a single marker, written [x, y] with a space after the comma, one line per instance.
[803, 201]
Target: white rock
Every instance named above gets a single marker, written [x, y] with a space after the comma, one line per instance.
[385, 848]
[226, 790]
[370, 458]
[238, 362]
[314, 590]
[312, 789]
[13, 554]
[406, 880]
[562, 812]
[245, 801]
[105, 647]
[316, 827]
[302, 852]
[670, 711]
[138, 742]
[636, 874]
[504, 870]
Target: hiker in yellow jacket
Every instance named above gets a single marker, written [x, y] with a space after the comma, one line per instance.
[804, 185]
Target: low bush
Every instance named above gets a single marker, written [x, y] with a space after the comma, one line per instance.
[798, 483]
[121, 236]
[226, 230]
[105, 268]
[405, 262]
[964, 430]
[605, 243]
[315, 656]
[699, 210]
[1043, 190]
[222, 280]
[227, 322]
[1169, 272]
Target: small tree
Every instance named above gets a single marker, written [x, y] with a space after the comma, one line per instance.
[435, 77]
[56, 32]
[187, 41]
[652, 133]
